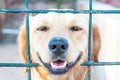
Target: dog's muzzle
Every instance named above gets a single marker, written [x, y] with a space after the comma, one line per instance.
[59, 66]
[58, 47]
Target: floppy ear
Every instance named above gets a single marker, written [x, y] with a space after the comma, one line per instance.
[96, 43]
[22, 44]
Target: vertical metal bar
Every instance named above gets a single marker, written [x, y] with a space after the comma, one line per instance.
[27, 39]
[28, 45]
[26, 4]
[89, 39]
[90, 31]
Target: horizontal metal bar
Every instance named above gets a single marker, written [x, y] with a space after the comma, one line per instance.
[42, 11]
[60, 11]
[18, 65]
[90, 63]
[36, 64]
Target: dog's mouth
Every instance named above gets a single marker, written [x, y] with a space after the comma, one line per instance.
[59, 66]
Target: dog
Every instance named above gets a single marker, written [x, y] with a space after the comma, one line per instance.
[59, 43]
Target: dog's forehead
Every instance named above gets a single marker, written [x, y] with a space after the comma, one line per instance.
[60, 18]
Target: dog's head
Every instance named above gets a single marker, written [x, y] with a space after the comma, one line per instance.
[59, 41]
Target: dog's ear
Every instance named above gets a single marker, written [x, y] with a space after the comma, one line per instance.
[96, 44]
[22, 44]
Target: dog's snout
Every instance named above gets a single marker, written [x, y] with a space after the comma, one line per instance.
[58, 46]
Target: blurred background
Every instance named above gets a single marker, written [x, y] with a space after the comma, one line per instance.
[10, 24]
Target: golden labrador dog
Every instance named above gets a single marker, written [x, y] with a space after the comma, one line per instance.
[59, 43]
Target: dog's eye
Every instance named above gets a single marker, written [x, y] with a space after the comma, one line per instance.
[75, 28]
[43, 28]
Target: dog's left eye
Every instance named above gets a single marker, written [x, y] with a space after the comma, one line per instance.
[43, 28]
[75, 28]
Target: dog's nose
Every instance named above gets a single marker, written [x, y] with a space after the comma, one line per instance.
[58, 45]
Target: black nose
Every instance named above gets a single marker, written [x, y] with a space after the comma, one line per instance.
[58, 46]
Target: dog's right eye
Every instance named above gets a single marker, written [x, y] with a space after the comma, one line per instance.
[75, 28]
[43, 28]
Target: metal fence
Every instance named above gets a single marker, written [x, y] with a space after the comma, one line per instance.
[90, 12]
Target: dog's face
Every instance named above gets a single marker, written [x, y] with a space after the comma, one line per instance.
[58, 41]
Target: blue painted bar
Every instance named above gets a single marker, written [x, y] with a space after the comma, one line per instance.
[61, 11]
[18, 65]
[37, 65]
[100, 63]
[26, 4]
[89, 39]
[90, 31]
[28, 44]
[27, 38]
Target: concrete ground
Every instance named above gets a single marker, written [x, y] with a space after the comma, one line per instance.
[9, 54]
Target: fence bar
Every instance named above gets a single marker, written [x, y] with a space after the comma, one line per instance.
[36, 64]
[89, 39]
[26, 4]
[61, 11]
[27, 40]
[100, 63]
[18, 65]
[28, 45]
[90, 31]
[27, 36]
